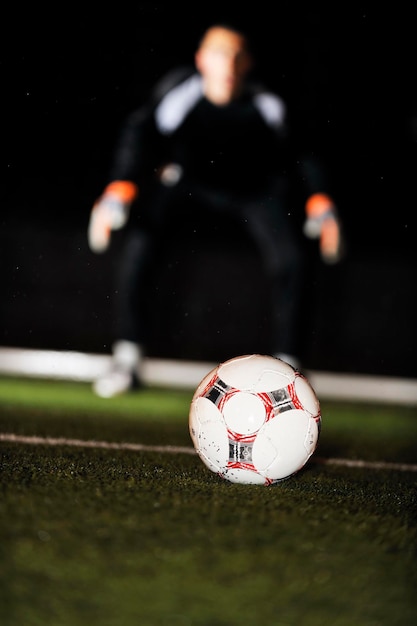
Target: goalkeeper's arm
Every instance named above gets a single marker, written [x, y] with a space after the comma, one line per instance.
[110, 212]
[323, 223]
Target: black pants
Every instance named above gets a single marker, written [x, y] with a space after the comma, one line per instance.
[267, 224]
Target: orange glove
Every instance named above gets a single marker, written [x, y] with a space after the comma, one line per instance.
[323, 222]
[110, 212]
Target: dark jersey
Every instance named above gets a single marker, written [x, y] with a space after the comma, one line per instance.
[237, 148]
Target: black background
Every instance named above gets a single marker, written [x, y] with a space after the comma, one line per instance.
[70, 75]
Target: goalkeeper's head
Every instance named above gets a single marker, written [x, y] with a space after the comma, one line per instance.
[224, 60]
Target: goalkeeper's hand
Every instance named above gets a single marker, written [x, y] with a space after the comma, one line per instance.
[323, 223]
[110, 212]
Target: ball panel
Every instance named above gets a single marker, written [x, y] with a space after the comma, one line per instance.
[209, 434]
[256, 372]
[244, 413]
[202, 411]
[284, 444]
[306, 395]
[243, 476]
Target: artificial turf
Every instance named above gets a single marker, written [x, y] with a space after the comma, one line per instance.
[118, 537]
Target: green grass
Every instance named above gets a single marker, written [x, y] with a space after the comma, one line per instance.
[120, 538]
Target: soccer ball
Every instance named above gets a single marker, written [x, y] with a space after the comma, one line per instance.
[254, 420]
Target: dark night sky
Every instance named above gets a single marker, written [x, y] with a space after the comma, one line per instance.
[71, 74]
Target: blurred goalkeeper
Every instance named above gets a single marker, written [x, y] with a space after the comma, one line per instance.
[209, 144]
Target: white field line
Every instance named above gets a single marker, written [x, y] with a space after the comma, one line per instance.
[77, 366]
[139, 447]
[81, 443]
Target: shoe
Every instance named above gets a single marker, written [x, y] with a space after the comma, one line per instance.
[125, 372]
[115, 383]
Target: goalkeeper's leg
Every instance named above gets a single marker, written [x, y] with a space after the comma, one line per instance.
[283, 261]
[125, 373]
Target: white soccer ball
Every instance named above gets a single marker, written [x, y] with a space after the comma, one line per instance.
[254, 420]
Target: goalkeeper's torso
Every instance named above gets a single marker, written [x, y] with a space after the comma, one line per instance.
[235, 149]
